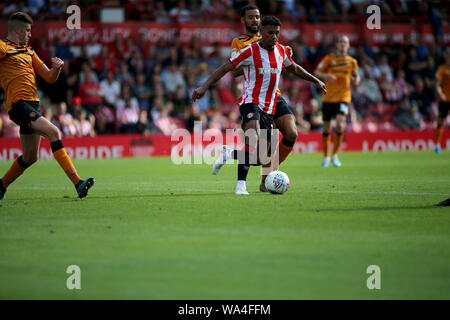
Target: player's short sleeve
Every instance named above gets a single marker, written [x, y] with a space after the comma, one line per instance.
[243, 58]
[323, 65]
[37, 62]
[235, 47]
[3, 49]
[440, 74]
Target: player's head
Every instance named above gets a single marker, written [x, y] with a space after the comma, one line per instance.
[342, 44]
[270, 31]
[19, 27]
[250, 18]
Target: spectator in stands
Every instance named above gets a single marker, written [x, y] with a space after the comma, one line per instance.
[145, 125]
[160, 13]
[370, 88]
[142, 91]
[172, 78]
[421, 98]
[85, 69]
[93, 47]
[193, 115]
[123, 74]
[90, 93]
[84, 125]
[110, 89]
[300, 122]
[406, 116]
[383, 67]
[62, 50]
[127, 116]
[314, 116]
[180, 102]
[164, 122]
[180, 12]
[202, 76]
[105, 119]
[65, 121]
[414, 66]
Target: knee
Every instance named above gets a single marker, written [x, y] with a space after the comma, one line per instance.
[291, 135]
[54, 134]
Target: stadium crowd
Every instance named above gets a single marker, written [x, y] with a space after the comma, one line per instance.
[129, 86]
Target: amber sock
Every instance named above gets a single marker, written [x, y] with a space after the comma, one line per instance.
[338, 137]
[438, 132]
[64, 161]
[326, 143]
[16, 169]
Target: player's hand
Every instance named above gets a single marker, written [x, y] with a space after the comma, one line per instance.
[57, 63]
[321, 86]
[198, 93]
[441, 96]
[289, 51]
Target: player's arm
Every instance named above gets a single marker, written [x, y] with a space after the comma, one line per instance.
[216, 76]
[51, 75]
[324, 76]
[355, 78]
[439, 91]
[305, 75]
[237, 72]
[321, 71]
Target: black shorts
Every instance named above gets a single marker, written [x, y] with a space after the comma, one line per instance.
[444, 106]
[331, 109]
[282, 108]
[23, 112]
[251, 111]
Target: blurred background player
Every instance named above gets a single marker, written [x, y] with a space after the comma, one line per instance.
[443, 93]
[18, 65]
[284, 119]
[263, 61]
[337, 70]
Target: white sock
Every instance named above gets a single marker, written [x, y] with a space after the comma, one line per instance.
[241, 184]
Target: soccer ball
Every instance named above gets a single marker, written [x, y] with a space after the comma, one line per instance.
[277, 182]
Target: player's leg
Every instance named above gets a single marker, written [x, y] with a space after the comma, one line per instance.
[327, 115]
[439, 130]
[248, 156]
[284, 120]
[45, 128]
[341, 118]
[286, 124]
[30, 148]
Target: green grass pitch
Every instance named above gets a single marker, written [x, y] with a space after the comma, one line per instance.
[153, 230]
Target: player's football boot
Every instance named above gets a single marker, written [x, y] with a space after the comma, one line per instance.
[225, 154]
[262, 187]
[2, 191]
[83, 186]
[444, 203]
[336, 161]
[241, 189]
[326, 162]
[437, 149]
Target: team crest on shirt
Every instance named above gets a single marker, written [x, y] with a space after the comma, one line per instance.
[32, 114]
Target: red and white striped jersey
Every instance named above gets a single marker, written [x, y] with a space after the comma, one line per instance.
[262, 71]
